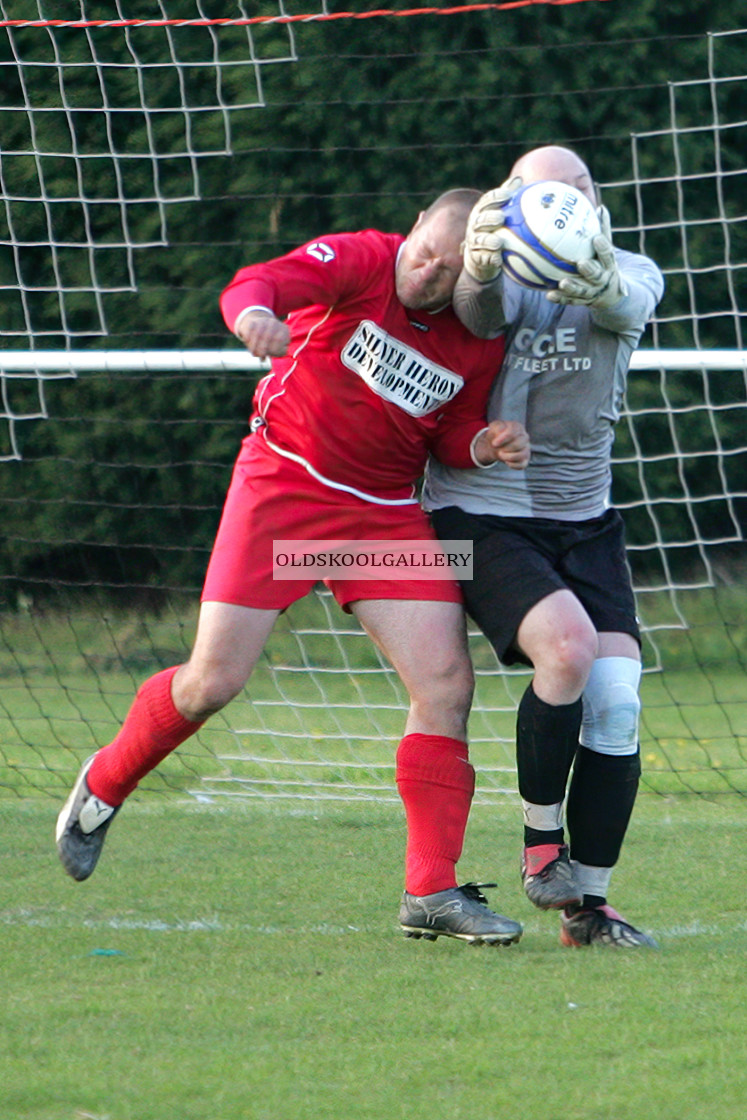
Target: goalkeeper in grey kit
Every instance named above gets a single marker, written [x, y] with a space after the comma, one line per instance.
[551, 585]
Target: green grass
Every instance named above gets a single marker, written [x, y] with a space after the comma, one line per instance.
[243, 963]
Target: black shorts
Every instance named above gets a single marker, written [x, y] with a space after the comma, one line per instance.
[520, 560]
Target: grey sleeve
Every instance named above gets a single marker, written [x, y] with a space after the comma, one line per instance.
[487, 309]
[645, 285]
[480, 306]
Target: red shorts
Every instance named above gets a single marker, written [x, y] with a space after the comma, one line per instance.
[272, 498]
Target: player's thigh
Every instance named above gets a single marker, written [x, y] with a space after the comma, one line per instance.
[227, 646]
[425, 641]
[612, 644]
[511, 573]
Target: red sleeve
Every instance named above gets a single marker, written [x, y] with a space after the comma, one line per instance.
[466, 415]
[320, 272]
[247, 289]
[452, 447]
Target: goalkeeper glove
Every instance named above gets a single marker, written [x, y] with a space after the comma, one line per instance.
[599, 283]
[483, 242]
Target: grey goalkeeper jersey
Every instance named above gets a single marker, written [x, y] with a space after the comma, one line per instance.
[563, 377]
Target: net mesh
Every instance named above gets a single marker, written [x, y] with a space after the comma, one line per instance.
[140, 166]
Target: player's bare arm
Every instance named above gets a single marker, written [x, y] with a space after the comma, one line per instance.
[505, 441]
[263, 334]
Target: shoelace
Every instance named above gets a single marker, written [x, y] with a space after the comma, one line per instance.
[473, 891]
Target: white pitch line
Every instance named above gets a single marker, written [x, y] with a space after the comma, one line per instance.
[157, 925]
[115, 924]
[702, 929]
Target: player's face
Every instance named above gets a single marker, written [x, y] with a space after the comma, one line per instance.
[583, 183]
[429, 263]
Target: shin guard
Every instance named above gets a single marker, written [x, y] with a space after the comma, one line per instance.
[600, 803]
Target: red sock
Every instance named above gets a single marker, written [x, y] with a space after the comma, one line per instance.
[436, 782]
[152, 729]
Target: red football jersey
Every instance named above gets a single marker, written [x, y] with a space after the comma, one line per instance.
[367, 387]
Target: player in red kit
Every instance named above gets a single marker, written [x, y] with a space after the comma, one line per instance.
[371, 371]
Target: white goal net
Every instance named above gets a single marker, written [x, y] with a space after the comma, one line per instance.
[150, 150]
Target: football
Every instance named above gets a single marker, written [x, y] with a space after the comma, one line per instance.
[548, 229]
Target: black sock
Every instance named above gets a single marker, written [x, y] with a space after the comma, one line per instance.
[600, 803]
[592, 901]
[535, 836]
[546, 741]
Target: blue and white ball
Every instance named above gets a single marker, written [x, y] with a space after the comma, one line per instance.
[548, 229]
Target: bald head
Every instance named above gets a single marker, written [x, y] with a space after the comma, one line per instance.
[560, 164]
[430, 260]
[456, 203]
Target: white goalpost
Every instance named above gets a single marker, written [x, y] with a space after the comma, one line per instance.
[140, 157]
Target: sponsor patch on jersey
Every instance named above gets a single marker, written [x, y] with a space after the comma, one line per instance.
[397, 372]
[321, 251]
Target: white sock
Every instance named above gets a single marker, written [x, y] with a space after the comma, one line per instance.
[592, 880]
[545, 818]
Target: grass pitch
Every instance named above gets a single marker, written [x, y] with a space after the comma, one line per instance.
[243, 962]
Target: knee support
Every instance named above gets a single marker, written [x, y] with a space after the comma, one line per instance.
[611, 706]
